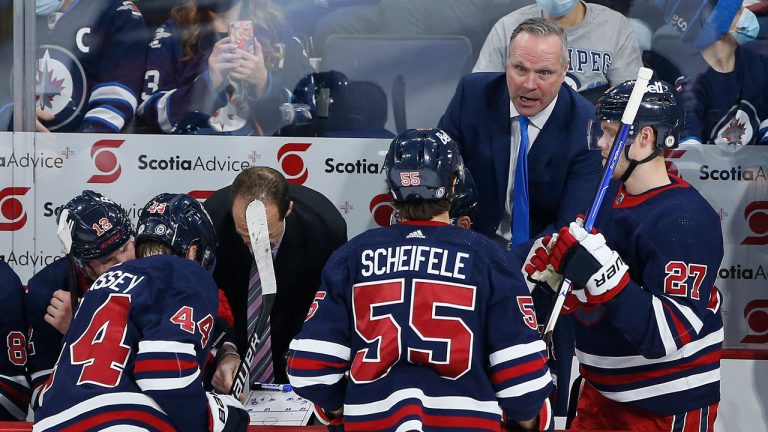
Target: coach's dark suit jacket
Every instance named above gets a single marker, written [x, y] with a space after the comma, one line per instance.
[563, 174]
[314, 229]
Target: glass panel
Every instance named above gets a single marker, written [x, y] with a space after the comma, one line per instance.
[6, 64]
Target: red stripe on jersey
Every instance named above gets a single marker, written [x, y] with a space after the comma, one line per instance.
[308, 364]
[134, 415]
[19, 397]
[602, 379]
[518, 371]
[628, 200]
[389, 422]
[683, 333]
[164, 365]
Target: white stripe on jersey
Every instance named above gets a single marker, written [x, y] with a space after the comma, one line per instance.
[162, 346]
[435, 402]
[517, 351]
[162, 112]
[12, 408]
[18, 379]
[102, 400]
[680, 384]
[124, 428]
[114, 92]
[689, 314]
[167, 383]
[526, 387]
[107, 115]
[300, 382]
[410, 425]
[661, 322]
[37, 375]
[687, 350]
[321, 347]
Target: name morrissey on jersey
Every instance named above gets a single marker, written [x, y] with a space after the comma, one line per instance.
[435, 261]
[117, 280]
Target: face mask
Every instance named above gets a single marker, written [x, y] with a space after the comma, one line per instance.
[47, 7]
[746, 28]
[556, 8]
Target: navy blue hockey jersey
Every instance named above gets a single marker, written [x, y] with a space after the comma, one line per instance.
[44, 340]
[135, 350]
[657, 344]
[90, 64]
[433, 325]
[174, 88]
[14, 388]
[729, 108]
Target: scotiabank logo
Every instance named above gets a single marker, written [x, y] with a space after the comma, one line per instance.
[756, 315]
[200, 195]
[756, 215]
[673, 154]
[292, 163]
[381, 208]
[105, 160]
[12, 214]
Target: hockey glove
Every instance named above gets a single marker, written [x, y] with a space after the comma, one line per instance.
[334, 421]
[589, 263]
[227, 413]
[537, 267]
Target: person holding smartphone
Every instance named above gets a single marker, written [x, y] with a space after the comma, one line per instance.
[200, 79]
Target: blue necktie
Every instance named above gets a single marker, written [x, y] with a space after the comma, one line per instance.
[520, 223]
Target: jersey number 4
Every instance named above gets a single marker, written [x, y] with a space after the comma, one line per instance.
[383, 332]
[101, 349]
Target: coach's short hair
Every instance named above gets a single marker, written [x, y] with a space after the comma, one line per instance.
[541, 27]
[265, 184]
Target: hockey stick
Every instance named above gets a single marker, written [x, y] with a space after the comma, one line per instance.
[641, 85]
[256, 219]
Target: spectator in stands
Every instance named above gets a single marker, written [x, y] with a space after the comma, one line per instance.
[91, 55]
[195, 69]
[728, 103]
[603, 49]
[328, 104]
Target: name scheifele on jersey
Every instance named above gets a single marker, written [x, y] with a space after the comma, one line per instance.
[431, 260]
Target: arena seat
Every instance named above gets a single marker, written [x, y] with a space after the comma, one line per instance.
[418, 73]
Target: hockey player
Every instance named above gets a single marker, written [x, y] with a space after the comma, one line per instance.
[432, 324]
[649, 328]
[90, 65]
[134, 353]
[464, 204]
[14, 388]
[101, 237]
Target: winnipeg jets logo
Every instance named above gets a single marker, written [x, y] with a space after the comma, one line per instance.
[59, 84]
[160, 34]
[737, 127]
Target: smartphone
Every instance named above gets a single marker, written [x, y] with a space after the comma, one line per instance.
[241, 33]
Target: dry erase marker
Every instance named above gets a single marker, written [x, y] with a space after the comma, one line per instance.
[279, 387]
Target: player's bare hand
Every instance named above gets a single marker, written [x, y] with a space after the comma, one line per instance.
[251, 69]
[59, 312]
[41, 116]
[226, 368]
[223, 59]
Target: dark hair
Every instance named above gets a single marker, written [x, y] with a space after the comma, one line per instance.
[265, 184]
[267, 19]
[422, 209]
[541, 27]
